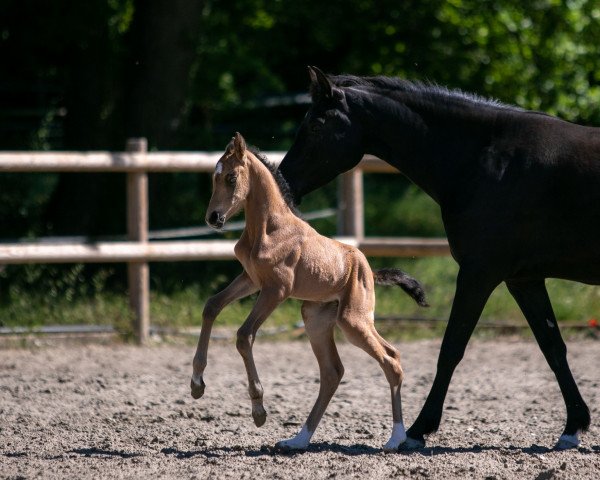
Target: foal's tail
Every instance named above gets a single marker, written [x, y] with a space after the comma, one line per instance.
[394, 276]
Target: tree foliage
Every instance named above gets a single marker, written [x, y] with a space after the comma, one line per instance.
[188, 73]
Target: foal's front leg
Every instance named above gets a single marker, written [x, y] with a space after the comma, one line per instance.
[241, 287]
[267, 301]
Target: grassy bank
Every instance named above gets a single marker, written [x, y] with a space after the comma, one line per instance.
[572, 302]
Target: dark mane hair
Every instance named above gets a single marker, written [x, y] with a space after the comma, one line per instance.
[284, 188]
[424, 89]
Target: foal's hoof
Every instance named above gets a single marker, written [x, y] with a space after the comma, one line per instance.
[288, 446]
[412, 444]
[393, 446]
[565, 442]
[197, 389]
[259, 415]
[387, 448]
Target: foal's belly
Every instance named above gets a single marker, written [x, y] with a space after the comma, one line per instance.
[321, 273]
[323, 287]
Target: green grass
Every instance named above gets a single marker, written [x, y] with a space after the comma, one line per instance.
[572, 302]
[184, 309]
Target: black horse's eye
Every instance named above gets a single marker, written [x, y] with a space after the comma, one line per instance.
[231, 178]
[317, 125]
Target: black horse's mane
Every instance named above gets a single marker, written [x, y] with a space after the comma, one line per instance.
[284, 188]
[424, 89]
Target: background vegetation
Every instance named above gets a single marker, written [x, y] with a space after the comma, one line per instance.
[186, 74]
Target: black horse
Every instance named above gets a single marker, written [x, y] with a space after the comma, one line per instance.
[519, 193]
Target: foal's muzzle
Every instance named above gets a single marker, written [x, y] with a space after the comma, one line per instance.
[215, 220]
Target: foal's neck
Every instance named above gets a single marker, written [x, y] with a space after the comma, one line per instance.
[265, 207]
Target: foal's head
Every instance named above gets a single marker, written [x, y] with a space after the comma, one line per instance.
[231, 184]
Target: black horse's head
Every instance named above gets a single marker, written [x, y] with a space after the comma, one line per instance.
[328, 142]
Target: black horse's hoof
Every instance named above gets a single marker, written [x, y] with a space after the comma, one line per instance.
[412, 444]
[566, 442]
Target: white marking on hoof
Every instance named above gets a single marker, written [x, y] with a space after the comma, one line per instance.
[299, 442]
[398, 438]
[412, 444]
[566, 442]
[197, 385]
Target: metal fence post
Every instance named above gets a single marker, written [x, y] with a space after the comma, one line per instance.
[138, 274]
[350, 205]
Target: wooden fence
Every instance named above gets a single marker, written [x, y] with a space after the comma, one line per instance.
[138, 251]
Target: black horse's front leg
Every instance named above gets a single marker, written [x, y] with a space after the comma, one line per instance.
[473, 288]
[534, 302]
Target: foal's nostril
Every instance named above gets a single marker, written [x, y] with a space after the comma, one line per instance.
[213, 218]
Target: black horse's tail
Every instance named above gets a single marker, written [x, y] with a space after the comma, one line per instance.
[394, 276]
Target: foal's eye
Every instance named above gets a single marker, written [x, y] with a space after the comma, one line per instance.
[231, 179]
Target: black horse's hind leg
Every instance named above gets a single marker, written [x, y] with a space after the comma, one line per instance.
[473, 288]
[533, 300]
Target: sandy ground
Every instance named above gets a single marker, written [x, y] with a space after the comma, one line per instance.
[125, 412]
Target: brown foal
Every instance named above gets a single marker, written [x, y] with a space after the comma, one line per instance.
[285, 257]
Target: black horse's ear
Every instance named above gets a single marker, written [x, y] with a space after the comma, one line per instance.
[239, 145]
[320, 86]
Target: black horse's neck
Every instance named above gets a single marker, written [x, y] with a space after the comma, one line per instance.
[430, 134]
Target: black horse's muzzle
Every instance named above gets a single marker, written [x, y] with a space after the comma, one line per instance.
[215, 220]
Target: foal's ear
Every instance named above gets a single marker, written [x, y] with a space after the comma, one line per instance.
[239, 145]
[320, 86]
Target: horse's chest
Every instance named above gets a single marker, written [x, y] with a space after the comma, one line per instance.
[243, 254]
[262, 262]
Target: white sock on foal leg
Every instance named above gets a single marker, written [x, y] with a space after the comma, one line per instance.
[299, 442]
[398, 437]
[197, 379]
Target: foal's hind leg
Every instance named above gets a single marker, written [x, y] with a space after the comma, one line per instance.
[357, 324]
[533, 299]
[319, 321]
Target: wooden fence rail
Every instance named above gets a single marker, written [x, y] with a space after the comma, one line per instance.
[138, 251]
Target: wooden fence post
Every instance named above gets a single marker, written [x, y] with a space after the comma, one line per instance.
[350, 205]
[138, 274]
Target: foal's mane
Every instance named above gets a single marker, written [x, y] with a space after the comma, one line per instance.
[426, 90]
[283, 186]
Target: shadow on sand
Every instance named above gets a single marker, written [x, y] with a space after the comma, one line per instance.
[360, 449]
[98, 452]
